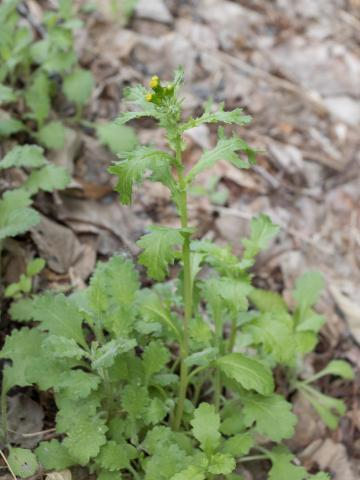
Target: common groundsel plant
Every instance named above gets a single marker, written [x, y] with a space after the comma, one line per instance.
[175, 381]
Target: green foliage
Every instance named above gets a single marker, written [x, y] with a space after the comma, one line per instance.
[173, 381]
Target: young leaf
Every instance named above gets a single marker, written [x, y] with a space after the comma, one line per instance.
[191, 473]
[117, 138]
[22, 462]
[233, 292]
[15, 216]
[22, 310]
[235, 116]
[48, 179]
[28, 156]
[135, 400]
[206, 424]
[308, 288]
[132, 170]
[105, 356]
[337, 367]
[34, 267]
[329, 409]
[262, 231]
[272, 416]
[250, 373]
[52, 135]
[78, 86]
[158, 250]
[282, 466]
[221, 463]
[9, 126]
[53, 455]
[267, 301]
[239, 444]
[62, 347]
[7, 94]
[155, 357]
[226, 149]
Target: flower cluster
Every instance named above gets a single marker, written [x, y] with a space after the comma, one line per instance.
[159, 92]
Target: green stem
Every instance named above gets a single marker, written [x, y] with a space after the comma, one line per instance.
[232, 337]
[187, 288]
[218, 343]
[251, 458]
[3, 408]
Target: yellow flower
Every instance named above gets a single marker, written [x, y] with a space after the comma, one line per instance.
[154, 82]
[170, 87]
[149, 97]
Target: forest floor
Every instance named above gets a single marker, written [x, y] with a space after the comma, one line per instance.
[295, 67]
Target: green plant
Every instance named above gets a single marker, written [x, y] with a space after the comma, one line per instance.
[172, 382]
[23, 286]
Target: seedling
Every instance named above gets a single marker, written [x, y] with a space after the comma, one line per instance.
[172, 382]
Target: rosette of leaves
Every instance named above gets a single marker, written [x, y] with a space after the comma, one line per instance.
[174, 381]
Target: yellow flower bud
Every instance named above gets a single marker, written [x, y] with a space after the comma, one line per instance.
[170, 87]
[149, 97]
[154, 82]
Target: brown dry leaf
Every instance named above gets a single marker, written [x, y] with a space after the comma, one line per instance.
[61, 475]
[331, 456]
[153, 10]
[25, 417]
[349, 307]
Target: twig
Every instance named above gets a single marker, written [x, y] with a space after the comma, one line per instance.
[8, 465]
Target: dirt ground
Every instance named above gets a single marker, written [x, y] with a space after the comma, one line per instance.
[295, 67]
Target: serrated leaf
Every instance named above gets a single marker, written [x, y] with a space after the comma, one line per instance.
[282, 466]
[272, 416]
[250, 373]
[7, 94]
[22, 310]
[155, 357]
[62, 347]
[78, 86]
[225, 149]
[262, 230]
[60, 62]
[78, 438]
[308, 288]
[232, 292]
[22, 462]
[135, 400]
[52, 135]
[77, 384]
[235, 116]
[132, 170]
[59, 316]
[114, 456]
[221, 463]
[48, 179]
[53, 455]
[239, 445]
[37, 97]
[155, 412]
[205, 427]
[190, 473]
[165, 463]
[34, 267]
[203, 358]
[15, 215]
[28, 156]
[158, 250]
[105, 356]
[117, 138]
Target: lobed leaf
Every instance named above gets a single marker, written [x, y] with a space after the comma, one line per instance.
[206, 424]
[15, 215]
[48, 179]
[28, 156]
[262, 230]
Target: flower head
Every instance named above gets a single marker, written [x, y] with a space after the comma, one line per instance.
[149, 97]
[154, 82]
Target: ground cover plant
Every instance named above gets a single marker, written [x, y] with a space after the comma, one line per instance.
[174, 381]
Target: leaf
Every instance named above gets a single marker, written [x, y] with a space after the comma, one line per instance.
[239, 444]
[106, 354]
[78, 441]
[135, 400]
[155, 412]
[272, 416]
[282, 468]
[308, 288]
[221, 463]
[155, 358]
[205, 427]
[233, 292]
[62, 347]
[34, 267]
[165, 463]
[117, 138]
[53, 455]
[76, 384]
[22, 462]
[190, 473]
[262, 230]
[78, 86]
[250, 373]
[9, 126]
[158, 250]
[48, 179]
[59, 316]
[114, 456]
[15, 216]
[22, 310]
[52, 135]
[60, 61]
[340, 368]
[203, 358]
[328, 408]
[7, 94]
[267, 301]
[225, 149]
[37, 97]
[132, 170]
[235, 116]
[28, 156]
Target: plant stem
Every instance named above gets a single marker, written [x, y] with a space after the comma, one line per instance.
[187, 288]
[232, 335]
[218, 344]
